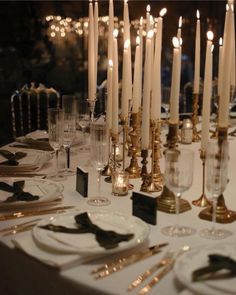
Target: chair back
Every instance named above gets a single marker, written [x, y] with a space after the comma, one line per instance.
[29, 107]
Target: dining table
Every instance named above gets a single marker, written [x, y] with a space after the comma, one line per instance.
[23, 271]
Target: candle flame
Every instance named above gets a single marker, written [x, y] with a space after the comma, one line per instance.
[110, 62]
[221, 41]
[175, 42]
[198, 14]
[163, 12]
[127, 44]
[210, 35]
[180, 22]
[138, 40]
[148, 8]
[150, 34]
[141, 21]
[212, 48]
[115, 33]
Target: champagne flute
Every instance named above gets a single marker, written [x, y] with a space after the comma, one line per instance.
[55, 136]
[178, 179]
[68, 137]
[217, 157]
[98, 151]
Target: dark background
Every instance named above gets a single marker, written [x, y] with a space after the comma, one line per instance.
[28, 53]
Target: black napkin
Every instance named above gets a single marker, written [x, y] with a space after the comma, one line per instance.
[18, 193]
[11, 157]
[107, 239]
[217, 263]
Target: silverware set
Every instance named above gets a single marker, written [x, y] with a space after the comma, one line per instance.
[21, 227]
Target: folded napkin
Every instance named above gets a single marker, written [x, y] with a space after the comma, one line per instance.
[17, 190]
[11, 157]
[217, 263]
[107, 239]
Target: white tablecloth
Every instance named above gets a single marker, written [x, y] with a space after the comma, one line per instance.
[21, 274]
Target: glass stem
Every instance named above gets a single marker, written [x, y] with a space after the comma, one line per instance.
[177, 198]
[57, 161]
[214, 204]
[99, 183]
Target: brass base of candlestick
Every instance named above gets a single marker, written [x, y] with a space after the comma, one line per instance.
[172, 137]
[107, 170]
[134, 170]
[196, 137]
[202, 202]
[154, 183]
[223, 215]
[166, 202]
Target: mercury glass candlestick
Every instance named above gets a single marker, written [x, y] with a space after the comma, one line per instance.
[196, 137]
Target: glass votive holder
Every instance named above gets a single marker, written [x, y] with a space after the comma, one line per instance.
[120, 183]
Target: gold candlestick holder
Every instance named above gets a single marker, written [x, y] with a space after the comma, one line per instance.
[202, 201]
[114, 138]
[154, 181]
[166, 201]
[144, 173]
[134, 169]
[196, 136]
[107, 171]
[124, 129]
[223, 214]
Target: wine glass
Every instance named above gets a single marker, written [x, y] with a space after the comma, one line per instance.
[83, 121]
[98, 152]
[69, 135]
[178, 179]
[55, 136]
[217, 157]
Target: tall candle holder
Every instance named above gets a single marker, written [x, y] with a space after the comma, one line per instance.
[134, 169]
[202, 201]
[92, 103]
[196, 136]
[155, 178]
[223, 214]
[166, 201]
[107, 171]
[144, 173]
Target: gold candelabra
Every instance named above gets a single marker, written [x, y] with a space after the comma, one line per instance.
[166, 201]
[154, 181]
[223, 214]
[196, 136]
[134, 170]
[202, 201]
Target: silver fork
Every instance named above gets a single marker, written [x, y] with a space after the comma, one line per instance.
[166, 259]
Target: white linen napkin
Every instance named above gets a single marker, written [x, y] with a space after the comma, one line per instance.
[28, 245]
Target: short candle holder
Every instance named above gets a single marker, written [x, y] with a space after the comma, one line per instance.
[155, 179]
[166, 201]
[223, 214]
[196, 136]
[134, 170]
[202, 201]
[120, 183]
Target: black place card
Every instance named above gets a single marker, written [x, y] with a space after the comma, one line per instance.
[145, 207]
[82, 182]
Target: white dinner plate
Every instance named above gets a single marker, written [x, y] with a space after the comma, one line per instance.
[46, 190]
[197, 258]
[86, 244]
[33, 161]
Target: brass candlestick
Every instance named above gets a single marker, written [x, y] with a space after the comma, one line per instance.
[223, 214]
[144, 173]
[196, 136]
[155, 178]
[166, 201]
[124, 129]
[107, 171]
[202, 201]
[134, 169]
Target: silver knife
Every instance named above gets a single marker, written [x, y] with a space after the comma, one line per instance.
[122, 262]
